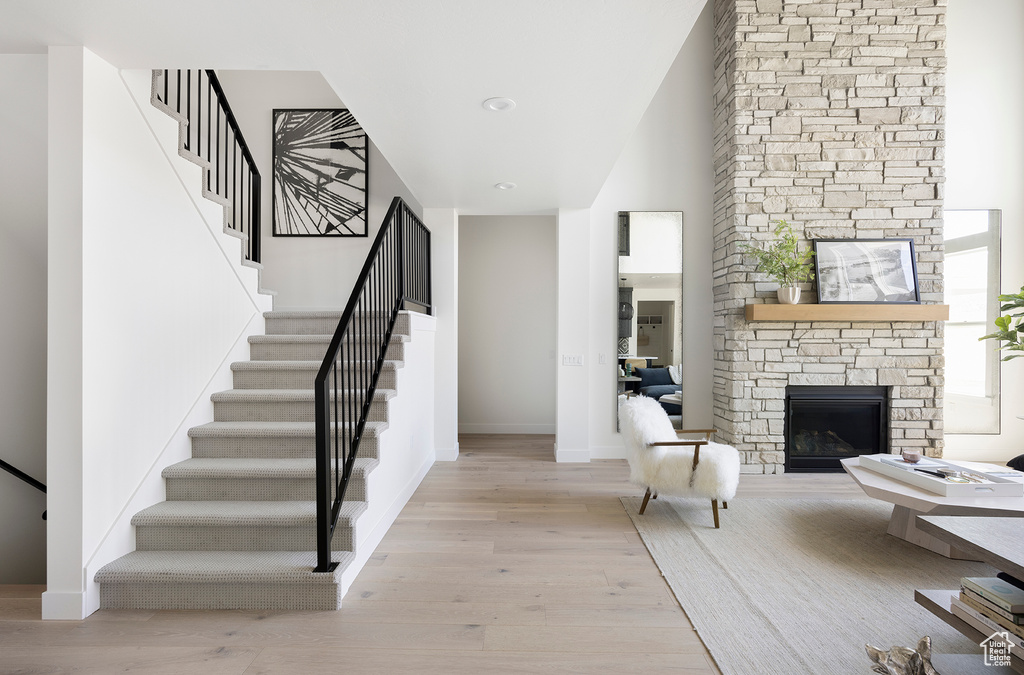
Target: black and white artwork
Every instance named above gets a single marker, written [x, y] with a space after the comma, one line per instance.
[320, 174]
[866, 270]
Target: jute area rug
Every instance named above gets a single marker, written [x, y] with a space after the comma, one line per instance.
[798, 586]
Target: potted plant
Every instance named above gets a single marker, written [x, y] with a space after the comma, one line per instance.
[1009, 326]
[783, 262]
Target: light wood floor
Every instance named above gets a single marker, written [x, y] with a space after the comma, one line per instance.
[502, 562]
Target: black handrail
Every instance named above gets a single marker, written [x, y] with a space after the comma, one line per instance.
[18, 473]
[231, 173]
[397, 270]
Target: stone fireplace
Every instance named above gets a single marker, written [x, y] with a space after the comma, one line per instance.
[828, 115]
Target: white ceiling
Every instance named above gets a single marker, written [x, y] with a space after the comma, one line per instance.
[415, 72]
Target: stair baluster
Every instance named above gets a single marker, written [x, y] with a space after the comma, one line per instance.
[397, 271]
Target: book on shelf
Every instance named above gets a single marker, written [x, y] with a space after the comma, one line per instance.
[1005, 619]
[998, 592]
[1014, 581]
[985, 625]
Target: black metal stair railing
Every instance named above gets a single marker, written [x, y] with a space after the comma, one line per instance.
[18, 473]
[212, 134]
[396, 272]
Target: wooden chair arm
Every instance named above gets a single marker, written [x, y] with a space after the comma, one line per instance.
[695, 443]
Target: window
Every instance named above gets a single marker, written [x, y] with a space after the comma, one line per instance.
[972, 293]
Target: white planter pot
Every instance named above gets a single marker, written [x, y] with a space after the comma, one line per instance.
[789, 295]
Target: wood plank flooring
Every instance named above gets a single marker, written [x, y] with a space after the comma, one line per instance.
[503, 562]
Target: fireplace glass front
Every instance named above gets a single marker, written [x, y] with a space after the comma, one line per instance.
[827, 424]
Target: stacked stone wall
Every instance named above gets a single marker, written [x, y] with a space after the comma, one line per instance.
[828, 114]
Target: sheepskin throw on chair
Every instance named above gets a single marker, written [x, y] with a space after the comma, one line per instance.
[664, 463]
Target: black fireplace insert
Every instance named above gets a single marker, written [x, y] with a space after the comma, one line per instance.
[827, 424]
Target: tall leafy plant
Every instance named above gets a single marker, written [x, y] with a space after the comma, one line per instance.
[782, 260]
[1009, 325]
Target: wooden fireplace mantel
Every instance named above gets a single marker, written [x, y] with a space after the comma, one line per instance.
[846, 312]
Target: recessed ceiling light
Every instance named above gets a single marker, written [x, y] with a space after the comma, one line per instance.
[505, 186]
[500, 104]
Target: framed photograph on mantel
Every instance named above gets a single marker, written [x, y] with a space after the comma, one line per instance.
[320, 174]
[866, 271]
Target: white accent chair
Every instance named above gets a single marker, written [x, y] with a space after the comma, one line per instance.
[664, 462]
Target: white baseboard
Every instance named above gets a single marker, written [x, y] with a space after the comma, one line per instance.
[571, 455]
[506, 428]
[59, 606]
[448, 454]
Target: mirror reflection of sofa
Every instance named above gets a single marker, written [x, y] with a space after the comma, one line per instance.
[655, 383]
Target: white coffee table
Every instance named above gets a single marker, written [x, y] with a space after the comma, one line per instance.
[909, 502]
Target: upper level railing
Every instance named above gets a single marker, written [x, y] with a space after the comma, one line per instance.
[211, 135]
[397, 270]
[15, 471]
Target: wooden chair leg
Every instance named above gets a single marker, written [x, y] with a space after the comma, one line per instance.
[725, 505]
[714, 509]
[647, 497]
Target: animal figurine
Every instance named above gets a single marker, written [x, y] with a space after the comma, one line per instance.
[903, 660]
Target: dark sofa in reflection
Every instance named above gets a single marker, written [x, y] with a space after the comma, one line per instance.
[655, 383]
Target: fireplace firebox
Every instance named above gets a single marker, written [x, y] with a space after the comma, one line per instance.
[827, 424]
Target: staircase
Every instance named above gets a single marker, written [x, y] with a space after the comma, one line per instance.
[238, 528]
[264, 514]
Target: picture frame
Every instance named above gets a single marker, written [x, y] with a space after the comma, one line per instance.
[866, 271]
[320, 173]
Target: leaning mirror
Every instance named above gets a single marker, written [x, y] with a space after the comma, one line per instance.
[649, 312]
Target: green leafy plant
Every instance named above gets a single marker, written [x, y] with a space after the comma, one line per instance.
[783, 261]
[1009, 325]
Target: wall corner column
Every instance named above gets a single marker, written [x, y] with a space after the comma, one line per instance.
[444, 243]
[65, 596]
[572, 382]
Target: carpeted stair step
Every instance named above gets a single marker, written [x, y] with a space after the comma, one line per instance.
[270, 439]
[292, 322]
[314, 347]
[296, 374]
[239, 526]
[221, 580]
[282, 405]
[256, 479]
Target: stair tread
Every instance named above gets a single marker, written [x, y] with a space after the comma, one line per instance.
[313, 338]
[239, 513]
[312, 366]
[221, 566]
[199, 467]
[283, 394]
[303, 314]
[315, 313]
[255, 429]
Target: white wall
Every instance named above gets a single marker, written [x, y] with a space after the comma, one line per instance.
[666, 166]
[23, 308]
[506, 324]
[148, 305]
[406, 447]
[305, 272]
[985, 168]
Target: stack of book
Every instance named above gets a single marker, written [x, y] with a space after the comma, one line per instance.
[993, 605]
